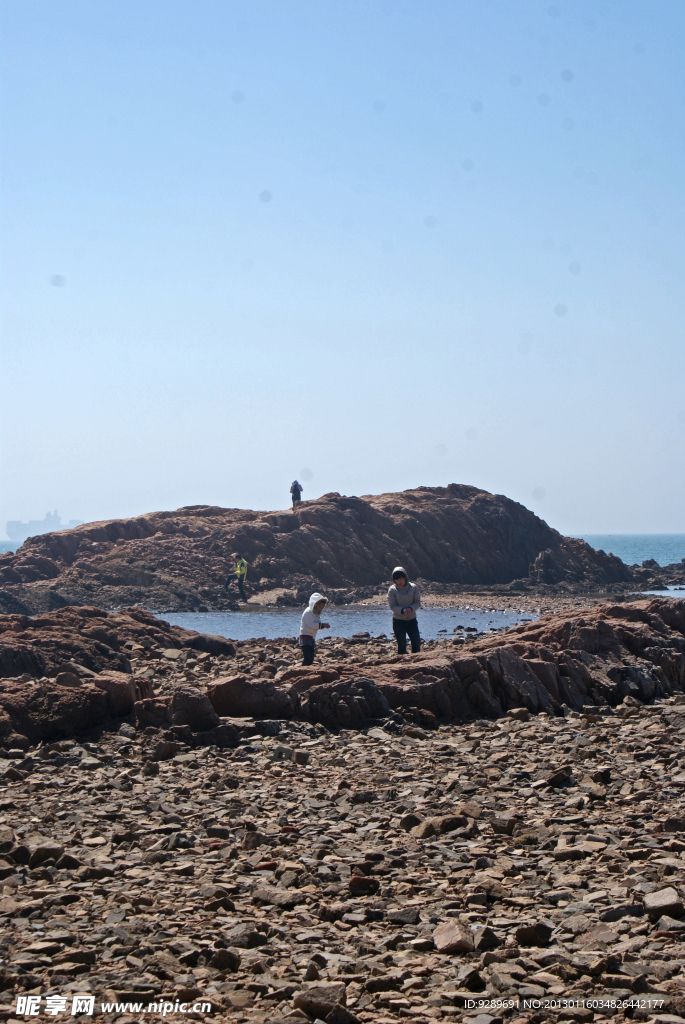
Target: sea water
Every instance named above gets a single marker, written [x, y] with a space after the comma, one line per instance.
[345, 620]
[636, 548]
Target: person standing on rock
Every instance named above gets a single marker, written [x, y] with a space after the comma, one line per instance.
[240, 576]
[296, 492]
[404, 599]
[310, 625]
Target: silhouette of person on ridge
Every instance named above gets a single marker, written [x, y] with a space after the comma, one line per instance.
[296, 492]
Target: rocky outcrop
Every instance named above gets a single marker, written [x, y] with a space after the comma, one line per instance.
[595, 658]
[70, 671]
[47, 711]
[88, 639]
[452, 536]
[599, 657]
[347, 704]
[236, 695]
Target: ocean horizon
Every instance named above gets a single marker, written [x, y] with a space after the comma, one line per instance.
[636, 548]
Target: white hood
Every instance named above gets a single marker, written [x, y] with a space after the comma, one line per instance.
[311, 621]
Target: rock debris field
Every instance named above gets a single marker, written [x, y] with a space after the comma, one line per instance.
[412, 868]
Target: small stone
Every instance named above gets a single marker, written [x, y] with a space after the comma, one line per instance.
[363, 884]
[669, 924]
[663, 901]
[225, 960]
[537, 933]
[405, 915]
[559, 777]
[341, 1015]
[519, 714]
[424, 830]
[504, 825]
[452, 937]
[45, 851]
[409, 821]
[414, 732]
[484, 938]
[282, 753]
[320, 999]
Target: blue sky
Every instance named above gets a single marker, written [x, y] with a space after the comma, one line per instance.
[374, 245]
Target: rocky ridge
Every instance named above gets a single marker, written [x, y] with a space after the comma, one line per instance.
[449, 537]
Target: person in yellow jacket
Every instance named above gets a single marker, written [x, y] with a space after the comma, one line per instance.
[240, 573]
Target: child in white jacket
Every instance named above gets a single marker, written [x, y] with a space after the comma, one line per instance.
[310, 625]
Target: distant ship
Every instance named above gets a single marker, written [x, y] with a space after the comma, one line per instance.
[19, 532]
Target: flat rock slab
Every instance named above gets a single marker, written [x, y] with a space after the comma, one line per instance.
[453, 937]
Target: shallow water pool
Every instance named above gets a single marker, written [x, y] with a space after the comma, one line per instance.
[345, 620]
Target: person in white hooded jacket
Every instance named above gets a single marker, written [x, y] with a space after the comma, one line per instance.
[310, 625]
[404, 600]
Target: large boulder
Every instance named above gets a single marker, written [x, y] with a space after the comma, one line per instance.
[240, 697]
[192, 707]
[346, 704]
[123, 691]
[153, 712]
[209, 643]
[46, 711]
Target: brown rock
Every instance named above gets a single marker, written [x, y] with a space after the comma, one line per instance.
[321, 998]
[225, 960]
[242, 697]
[452, 937]
[664, 901]
[45, 851]
[190, 706]
[424, 830]
[153, 712]
[449, 822]
[363, 884]
[409, 821]
[47, 711]
[284, 898]
[122, 691]
[537, 933]
[484, 939]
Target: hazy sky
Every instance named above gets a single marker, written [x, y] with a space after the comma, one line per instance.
[369, 244]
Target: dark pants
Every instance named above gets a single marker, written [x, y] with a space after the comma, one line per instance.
[240, 580]
[403, 628]
[296, 500]
[308, 648]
